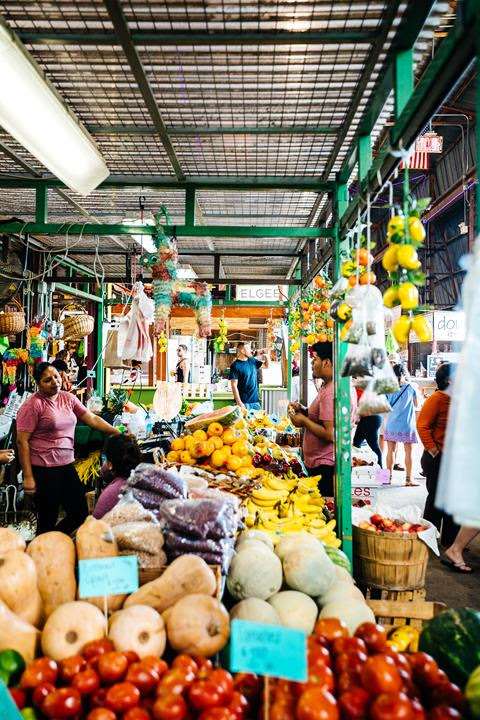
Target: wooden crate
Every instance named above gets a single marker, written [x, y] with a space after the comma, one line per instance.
[392, 608]
[145, 576]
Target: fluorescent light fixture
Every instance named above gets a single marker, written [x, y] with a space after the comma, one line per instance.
[34, 113]
[186, 273]
[146, 241]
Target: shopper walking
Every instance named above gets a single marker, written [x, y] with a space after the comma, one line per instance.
[244, 378]
[453, 556]
[367, 431]
[123, 455]
[182, 371]
[432, 427]
[400, 422]
[45, 433]
[317, 421]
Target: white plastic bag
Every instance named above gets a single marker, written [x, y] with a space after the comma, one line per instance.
[133, 341]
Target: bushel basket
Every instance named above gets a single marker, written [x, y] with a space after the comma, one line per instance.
[76, 326]
[12, 321]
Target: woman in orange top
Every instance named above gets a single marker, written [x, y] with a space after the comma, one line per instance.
[431, 427]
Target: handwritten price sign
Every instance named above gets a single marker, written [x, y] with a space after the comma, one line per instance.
[7, 706]
[108, 576]
[268, 650]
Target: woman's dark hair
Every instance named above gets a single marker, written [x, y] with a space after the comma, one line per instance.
[124, 454]
[60, 365]
[443, 375]
[40, 369]
[399, 370]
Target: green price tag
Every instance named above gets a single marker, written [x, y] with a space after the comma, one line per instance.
[108, 576]
[268, 650]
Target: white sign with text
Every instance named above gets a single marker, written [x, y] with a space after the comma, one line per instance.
[261, 293]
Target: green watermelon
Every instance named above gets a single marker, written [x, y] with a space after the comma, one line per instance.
[338, 557]
[453, 639]
[472, 693]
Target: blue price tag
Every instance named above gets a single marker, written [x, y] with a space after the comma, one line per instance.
[7, 706]
[275, 419]
[268, 650]
[251, 414]
[108, 576]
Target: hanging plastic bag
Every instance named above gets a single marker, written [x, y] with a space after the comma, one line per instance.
[358, 360]
[371, 403]
[385, 380]
[133, 342]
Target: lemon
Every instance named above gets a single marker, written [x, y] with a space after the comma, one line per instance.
[407, 257]
[200, 435]
[390, 296]
[178, 444]
[416, 229]
[408, 296]
[173, 456]
[421, 328]
[401, 329]
[396, 224]
[348, 268]
[217, 458]
[186, 458]
[344, 311]
[390, 259]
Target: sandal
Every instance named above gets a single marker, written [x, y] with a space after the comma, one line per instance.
[460, 567]
[398, 467]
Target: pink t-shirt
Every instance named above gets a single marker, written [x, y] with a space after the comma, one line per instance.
[52, 424]
[316, 451]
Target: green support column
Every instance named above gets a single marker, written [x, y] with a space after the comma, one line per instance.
[364, 155]
[41, 204]
[100, 379]
[342, 198]
[190, 206]
[343, 456]
[403, 79]
[291, 293]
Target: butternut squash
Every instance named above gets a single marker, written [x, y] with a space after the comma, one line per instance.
[16, 634]
[54, 556]
[95, 540]
[18, 586]
[198, 625]
[139, 628]
[187, 574]
[70, 627]
[10, 540]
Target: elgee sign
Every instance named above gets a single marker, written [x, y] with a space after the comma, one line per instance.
[261, 293]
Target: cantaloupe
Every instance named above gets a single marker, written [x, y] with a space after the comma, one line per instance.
[295, 609]
[309, 570]
[254, 572]
[341, 590]
[343, 575]
[353, 612]
[293, 541]
[255, 535]
[255, 610]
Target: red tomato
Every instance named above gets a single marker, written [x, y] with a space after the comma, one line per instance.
[121, 697]
[393, 706]
[447, 694]
[216, 713]
[322, 677]
[97, 647]
[330, 628]
[354, 704]
[418, 710]
[224, 681]
[249, 685]
[318, 654]
[351, 661]
[101, 714]
[131, 656]
[41, 692]
[156, 664]
[238, 705]
[86, 682]
[348, 680]
[203, 663]
[112, 667]
[348, 644]
[71, 666]
[172, 682]
[185, 662]
[98, 698]
[143, 677]
[282, 711]
[137, 713]
[425, 669]
[62, 703]
[441, 677]
[18, 696]
[170, 707]
[317, 704]
[373, 635]
[204, 694]
[42, 670]
[380, 675]
[443, 712]
[147, 703]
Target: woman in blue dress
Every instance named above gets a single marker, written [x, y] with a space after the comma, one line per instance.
[400, 426]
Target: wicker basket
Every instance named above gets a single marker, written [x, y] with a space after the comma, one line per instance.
[389, 561]
[12, 321]
[76, 326]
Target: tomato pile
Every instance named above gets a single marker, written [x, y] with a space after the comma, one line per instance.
[102, 684]
[362, 678]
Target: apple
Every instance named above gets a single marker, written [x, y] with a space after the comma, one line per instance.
[376, 519]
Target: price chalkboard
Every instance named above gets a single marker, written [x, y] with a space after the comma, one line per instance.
[108, 576]
[268, 650]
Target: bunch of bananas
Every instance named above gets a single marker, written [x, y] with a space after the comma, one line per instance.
[282, 506]
[88, 468]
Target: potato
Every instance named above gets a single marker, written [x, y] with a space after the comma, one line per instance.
[54, 556]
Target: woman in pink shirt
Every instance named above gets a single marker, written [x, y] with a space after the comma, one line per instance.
[45, 432]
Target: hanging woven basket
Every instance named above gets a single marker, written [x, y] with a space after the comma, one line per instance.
[12, 318]
[76, 326]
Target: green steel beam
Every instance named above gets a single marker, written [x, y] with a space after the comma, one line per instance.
[342, 195]
[177, 39]
[403, 80]
[41, 204]
[364, 155]
[199, 182]
[184, 252]
[121, 279]
[100, 377]
[190, 206]
[122, 31]
[216, 130]
[70, 290]
[180, 230]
